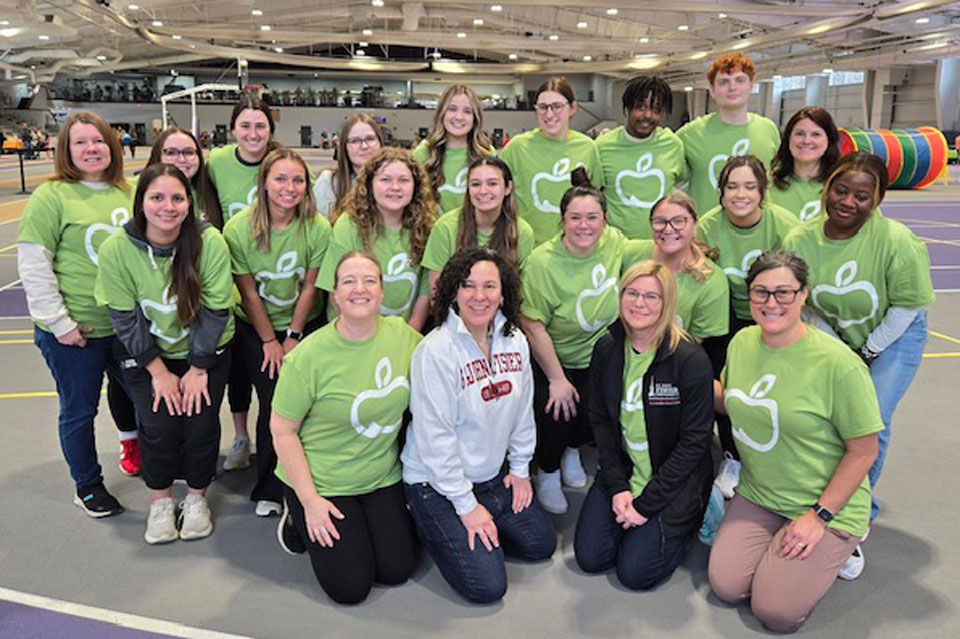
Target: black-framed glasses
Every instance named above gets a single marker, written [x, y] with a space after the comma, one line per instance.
[677, 223]
[543, 108]
[785, 296]
[650, 298]
[171, 154]
[370, 140]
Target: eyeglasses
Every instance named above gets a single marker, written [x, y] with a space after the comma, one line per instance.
[370, 140]
[678, 223]
[555, 107]
[785, 296]
[651, 299]
[171, 154]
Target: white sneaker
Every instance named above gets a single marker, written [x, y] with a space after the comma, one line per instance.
[571, 469]
[239, 455]
[853, 566]
[265, 508]
[161, 522]
[729, 475]
[195, 522]
[550, 492]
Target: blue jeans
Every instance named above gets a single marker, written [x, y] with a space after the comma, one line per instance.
[644, 558]
[480, 575]
[78, 373]
[892, 372]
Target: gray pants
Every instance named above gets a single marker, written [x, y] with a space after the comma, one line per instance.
[745, 563]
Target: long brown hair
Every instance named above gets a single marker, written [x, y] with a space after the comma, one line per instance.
[256, 104]
[478, 142]
[185, 270]
[63, 167]
[782, 165]
[418, 216]
[260, 209]
[209, 202]
[698, 267]
[505, 238]
[343, 174]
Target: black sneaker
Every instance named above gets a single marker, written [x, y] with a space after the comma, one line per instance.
[97, 502]
[290, 540]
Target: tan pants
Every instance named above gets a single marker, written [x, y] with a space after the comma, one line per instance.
[745, 563]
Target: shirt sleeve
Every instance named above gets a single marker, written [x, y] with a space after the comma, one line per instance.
[40, 223]
[436, 253]
[234, 240]
[215, 281]
[856, 412]
[293, 397]
[42, 289]
[711, 313]
[535, 304]
[908, 273]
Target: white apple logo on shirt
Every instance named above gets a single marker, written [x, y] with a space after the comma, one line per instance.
[601, 285]
[165, 306]
[395, 273]
[236, 207]
[756, 398]
[810, 210]
[643, 171]
[631, 403]
[459, 185]
[745, 264]
[385, 386]
[118, 218]
[740, 147]
[561, 174]
[285, 271]
[844, 286]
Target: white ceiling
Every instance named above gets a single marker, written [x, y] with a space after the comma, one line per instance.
[674, 39]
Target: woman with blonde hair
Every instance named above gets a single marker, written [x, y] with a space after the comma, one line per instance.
[455, 142]
[276, 246]
[389, 213]
[651, 410]
[63, 225]
[360, 138]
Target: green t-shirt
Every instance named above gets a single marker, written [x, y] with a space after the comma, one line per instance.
[235, 181]
[349, 398]
[443, 241]
[708, 142]
[402, 281]
[279, 273]
[791, 409]
[454, 187]
[72, 220]
[740, 247]
[541, 170]
[853, 282]
[130, 277]
[633, 426]
[575, 298]
[637, 173]
[801, 197]
[703, 308]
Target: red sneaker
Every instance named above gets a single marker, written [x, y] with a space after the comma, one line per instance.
[130, 457]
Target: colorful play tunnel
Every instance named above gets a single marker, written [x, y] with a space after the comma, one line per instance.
[914, 157]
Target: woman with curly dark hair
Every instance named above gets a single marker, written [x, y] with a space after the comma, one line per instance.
[472, 403]
[809, 148]
[389, 213]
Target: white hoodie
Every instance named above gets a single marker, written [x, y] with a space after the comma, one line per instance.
[468, 413]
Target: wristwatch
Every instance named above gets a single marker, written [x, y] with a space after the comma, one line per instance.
[292, 334]
[867, 355]
[825, 515]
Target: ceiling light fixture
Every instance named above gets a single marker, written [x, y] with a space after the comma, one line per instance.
[256, 12]
[644, 40]
[177, 36]
[828, 71]
[364, 44]
[513, 56]
[376, 3]
[43, 37]
[496, 8]
[688, 89]
[582, 25]
[367, 32]
[133, 7]
[612, 11]
[923, 20]
[683, 27]
[554, 37]
[478, 22]
[266, 27]
[156, 23]
[278, 49]
[587, 58]
[360, 52]
[722, 16]
[461, 34]
[101, 57]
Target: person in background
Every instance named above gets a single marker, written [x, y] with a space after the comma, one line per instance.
[180, 148]
[456, 140]
[165, 279]
[808, 150]
[64, 223]
[360, 139]
[732, 130]
[641, 161]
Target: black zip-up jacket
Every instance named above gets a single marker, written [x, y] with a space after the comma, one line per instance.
[678, 410]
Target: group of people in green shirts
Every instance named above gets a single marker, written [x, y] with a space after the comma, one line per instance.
[570, 294]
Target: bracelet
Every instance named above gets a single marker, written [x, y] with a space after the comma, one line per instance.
[267, 341]
[868, 355]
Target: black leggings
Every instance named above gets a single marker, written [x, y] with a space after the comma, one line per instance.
[121, 407]
[716, 348]
[376, 545]
[173, 446]
[555, 435]
[239, 387]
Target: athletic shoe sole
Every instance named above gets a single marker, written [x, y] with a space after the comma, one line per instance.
[92, 513]
[280, 527]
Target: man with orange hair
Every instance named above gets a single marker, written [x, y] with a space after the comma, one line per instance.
[732, 130]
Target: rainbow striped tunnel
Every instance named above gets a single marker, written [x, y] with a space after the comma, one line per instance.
[915, 158]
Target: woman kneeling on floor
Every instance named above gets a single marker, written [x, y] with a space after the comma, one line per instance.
[805, 419]
[652, 417]
[472, 404]
[337, 411]
[165, 277]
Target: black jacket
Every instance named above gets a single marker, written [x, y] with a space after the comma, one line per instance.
[678, 410]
